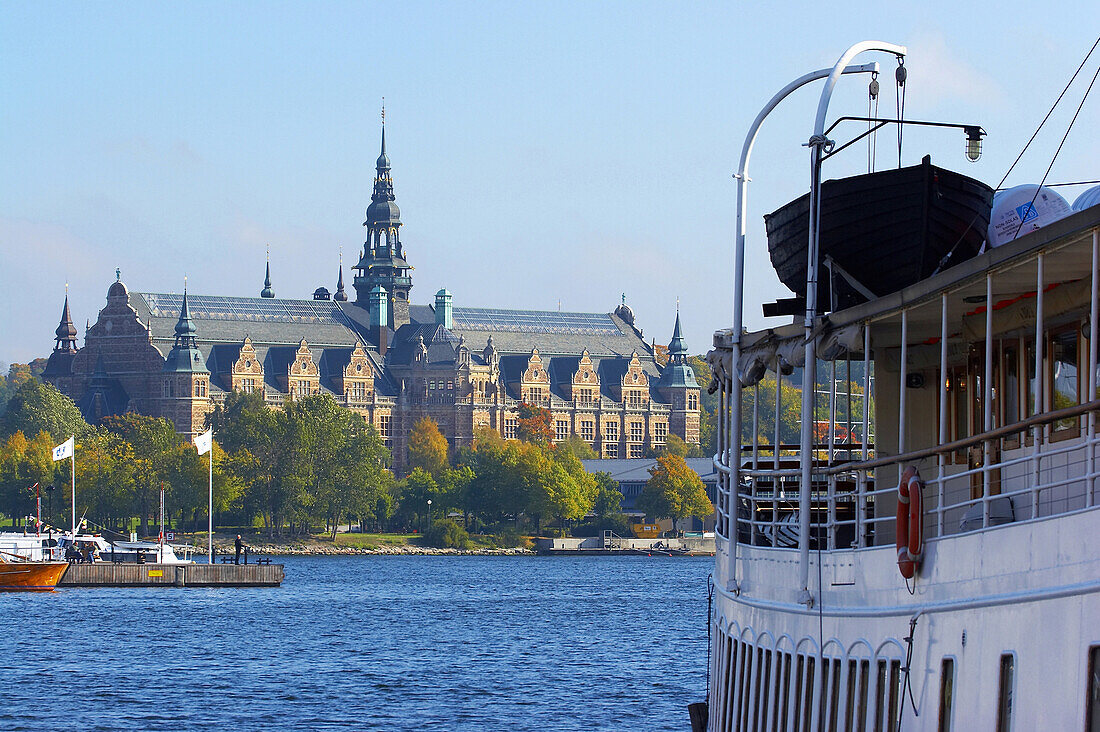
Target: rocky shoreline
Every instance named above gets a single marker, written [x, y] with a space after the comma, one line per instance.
[316, 550]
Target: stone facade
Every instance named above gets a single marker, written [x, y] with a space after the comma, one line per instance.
[392, 361]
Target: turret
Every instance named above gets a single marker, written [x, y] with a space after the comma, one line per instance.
[679, 387]
[443, 312]
[378, 318]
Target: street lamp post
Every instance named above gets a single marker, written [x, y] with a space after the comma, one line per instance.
[429, 513]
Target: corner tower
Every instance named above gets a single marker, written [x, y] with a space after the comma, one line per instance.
[383, 261]
[679, 387]
[60, 364]
[185, 395]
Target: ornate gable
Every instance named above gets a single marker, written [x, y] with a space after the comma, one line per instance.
[635, 375]
[359, 367]
[303, 376]
[635, 384]
[357, 382]
[585, 382]
[247, 372]
[535, 382]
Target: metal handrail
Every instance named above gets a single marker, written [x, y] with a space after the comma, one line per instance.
[1010, 429]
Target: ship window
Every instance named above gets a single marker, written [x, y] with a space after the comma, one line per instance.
[1092, 709]
[889, 696]
[947, 693]
[1011, 390]
[1064, 373]
[1005, 691]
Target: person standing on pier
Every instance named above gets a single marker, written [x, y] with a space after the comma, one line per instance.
[238, 545]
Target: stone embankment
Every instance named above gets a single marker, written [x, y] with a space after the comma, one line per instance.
[317, 550]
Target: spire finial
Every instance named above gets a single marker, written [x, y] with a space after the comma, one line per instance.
[624, 298]
[185, 284]
[267, 291]
[118, 275]
[677, 304]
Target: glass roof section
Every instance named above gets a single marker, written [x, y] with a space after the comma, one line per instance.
[534, 321]
[215, 307]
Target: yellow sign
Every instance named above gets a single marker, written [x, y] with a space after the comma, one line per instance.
[156, 573]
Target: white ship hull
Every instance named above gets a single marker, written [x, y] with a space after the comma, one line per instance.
[1002, 591]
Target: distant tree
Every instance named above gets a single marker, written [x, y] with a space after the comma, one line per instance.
[444, 533]
[427, 447]
[154, 443]
[676, 446]
[535, 424]
[566, 491]
[608, 500]
[577, 446]
[416, 490]
[104, 477]
[674, 491]
[23, 463]
[36, 406]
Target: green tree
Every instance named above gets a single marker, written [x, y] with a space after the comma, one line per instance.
[608, 500]
[36, 406]
[104, 478]
[427, 447]
[23, 463]
[153, 441]
[576, 445]
[674, 491]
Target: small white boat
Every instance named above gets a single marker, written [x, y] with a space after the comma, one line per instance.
[92, 548]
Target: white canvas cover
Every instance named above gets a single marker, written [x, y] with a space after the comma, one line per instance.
[1013, 205]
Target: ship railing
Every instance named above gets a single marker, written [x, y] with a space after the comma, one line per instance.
[1046, 473]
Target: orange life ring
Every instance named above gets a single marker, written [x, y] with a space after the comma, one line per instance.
[910, 522]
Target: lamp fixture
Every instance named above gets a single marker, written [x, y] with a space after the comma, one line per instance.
[974, 143]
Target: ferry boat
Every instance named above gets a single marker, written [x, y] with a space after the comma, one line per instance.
[943, 575]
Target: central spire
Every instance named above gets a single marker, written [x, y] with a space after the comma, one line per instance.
[383, 262]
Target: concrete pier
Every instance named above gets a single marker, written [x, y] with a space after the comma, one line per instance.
[172, 575]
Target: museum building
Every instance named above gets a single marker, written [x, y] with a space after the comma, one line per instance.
[176, 356]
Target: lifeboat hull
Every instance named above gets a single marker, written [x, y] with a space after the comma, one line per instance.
[888, 230]
[31, 576]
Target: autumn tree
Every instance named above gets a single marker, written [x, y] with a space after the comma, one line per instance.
[23, 463]
[427, 447]
[674, 491]
[535, 424]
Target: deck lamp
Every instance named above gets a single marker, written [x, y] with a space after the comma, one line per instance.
[974, 143]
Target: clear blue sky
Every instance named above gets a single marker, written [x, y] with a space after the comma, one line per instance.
[542, 152]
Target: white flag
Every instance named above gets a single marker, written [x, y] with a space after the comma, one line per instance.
[202, 442]
[64, 450]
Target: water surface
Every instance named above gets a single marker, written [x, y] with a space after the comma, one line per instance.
[379, 643]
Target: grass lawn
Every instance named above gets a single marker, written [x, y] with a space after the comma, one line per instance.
[372, 541]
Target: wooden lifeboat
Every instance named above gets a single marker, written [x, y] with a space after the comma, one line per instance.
[888, 230]
[30, 576]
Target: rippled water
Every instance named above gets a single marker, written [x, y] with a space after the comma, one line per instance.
[380, 643]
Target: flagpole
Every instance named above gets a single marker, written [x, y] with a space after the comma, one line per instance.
[210, 510]
[73, 456]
